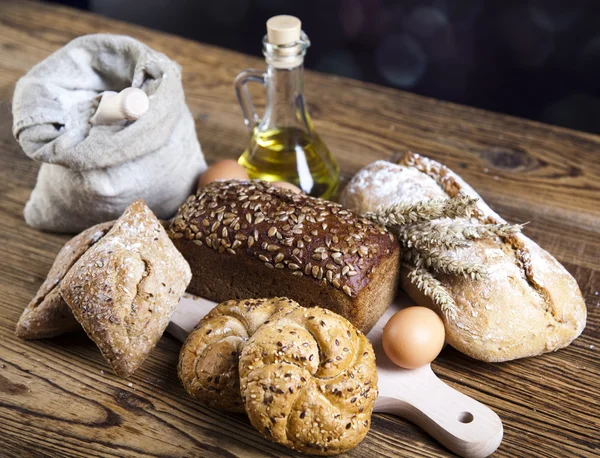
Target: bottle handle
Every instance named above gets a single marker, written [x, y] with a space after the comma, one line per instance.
[243, 94]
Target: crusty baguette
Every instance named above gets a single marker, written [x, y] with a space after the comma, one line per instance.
[252, 240]
[47, 315]
[529, 304]
[124, 289]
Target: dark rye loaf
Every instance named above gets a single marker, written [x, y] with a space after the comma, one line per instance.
[248, 239]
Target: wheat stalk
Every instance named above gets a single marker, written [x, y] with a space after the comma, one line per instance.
[442, 263]
[487, 231]
[427, 240]
[451, 234]
[432, 288]
[428, 235]
[425, 210]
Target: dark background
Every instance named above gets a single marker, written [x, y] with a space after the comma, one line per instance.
[538, 59]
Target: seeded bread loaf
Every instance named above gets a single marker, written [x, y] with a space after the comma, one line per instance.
[527, 305]
[247, 239]
[308, 381]
[47, 315]
[209, 357]
[124, 289]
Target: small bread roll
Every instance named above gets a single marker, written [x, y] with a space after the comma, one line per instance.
[47, 315]
[124, 289]
[208, 361]
[308, 381]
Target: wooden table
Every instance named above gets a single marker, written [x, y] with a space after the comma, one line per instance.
[58, 397]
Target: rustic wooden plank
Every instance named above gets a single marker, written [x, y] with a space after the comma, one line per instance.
[57, 397]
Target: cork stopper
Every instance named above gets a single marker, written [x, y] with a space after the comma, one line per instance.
[283, 29]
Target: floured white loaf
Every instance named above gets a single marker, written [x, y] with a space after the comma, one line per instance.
[527, 305]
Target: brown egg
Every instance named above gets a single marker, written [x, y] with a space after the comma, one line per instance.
[413, 337]
[227, 169]
[286, 185]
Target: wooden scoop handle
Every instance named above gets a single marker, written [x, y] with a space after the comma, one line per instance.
[128, 105]
[462, 424]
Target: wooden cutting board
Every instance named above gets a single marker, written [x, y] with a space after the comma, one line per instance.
[462, 424]
[58, 396]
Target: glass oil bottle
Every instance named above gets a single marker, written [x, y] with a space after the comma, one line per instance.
[284, 145]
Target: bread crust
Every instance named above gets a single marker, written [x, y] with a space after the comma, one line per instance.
[124, 289]
[308, 381]
[529, 304]
[252, 240]
[47, 315]
[209, 357]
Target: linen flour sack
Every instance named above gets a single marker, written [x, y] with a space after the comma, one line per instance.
[90, 174]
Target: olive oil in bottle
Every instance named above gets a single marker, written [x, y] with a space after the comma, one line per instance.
[284, 145]
[289, 154]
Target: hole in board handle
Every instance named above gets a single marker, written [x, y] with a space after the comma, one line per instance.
[465, 417]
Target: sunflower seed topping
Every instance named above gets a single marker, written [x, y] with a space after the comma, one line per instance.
[315, 271]
[304, 235]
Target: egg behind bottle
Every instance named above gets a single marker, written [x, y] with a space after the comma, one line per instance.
[289, 186]
[227, 169]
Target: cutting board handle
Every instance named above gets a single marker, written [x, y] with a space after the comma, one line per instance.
[462, 424]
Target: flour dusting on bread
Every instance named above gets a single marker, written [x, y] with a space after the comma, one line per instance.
[124, 289]
[527, 303]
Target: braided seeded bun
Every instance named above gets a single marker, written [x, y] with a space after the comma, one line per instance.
[308, 381]
[208, 362]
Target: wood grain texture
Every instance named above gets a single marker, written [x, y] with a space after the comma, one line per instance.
[58, 398]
